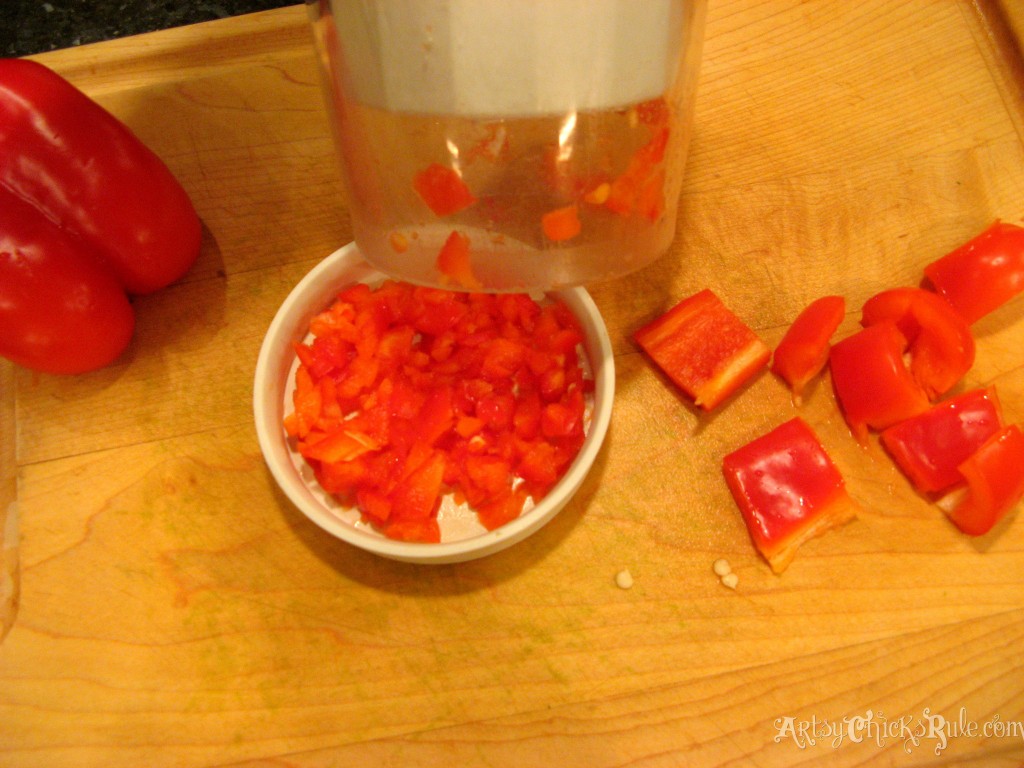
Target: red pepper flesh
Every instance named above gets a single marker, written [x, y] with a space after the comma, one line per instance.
[408, 393]
[803, 352]
[704, 348]
[84, 170]
[983, 273]
[939, 340]
[872, 384]
[442, 189]
[995, 482]
[59, 313]
[930, 447]
[454, 262]
[788, 490]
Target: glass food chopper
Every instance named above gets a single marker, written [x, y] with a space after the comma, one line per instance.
[510, 145]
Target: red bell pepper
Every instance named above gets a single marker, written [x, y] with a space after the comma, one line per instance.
[109, 201]
[803, 352]
[983, 273]
[939, 340]
[873, 385]
[704, 348]
[85, 170]
[930, 447]
[788, 490]
[995, 483]
[59, 313]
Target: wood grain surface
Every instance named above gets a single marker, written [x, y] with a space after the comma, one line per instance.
[176, 610]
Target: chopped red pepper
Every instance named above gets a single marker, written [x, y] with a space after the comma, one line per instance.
[704, 348]
[983, 273]
[561, 223]
[930, 447]
[641, 180]
[788, 490]
[408, 393]
[803, 352]
[873, 385]
[939, 340]
[453, 262]
[442, 189]
[995, 483]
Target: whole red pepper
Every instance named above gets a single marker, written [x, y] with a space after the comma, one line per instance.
[109, 201]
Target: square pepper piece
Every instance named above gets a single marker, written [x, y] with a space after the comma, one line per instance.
[788, 490]
[705, 349]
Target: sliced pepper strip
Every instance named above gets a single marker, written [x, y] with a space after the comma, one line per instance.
[803, 352]
[983, 273]
[788, 490]
[995, 482]
[872, 384]
[704, 348]
[939, 340]
[930, 447]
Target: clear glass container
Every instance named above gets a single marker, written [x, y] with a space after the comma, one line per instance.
[510, 145]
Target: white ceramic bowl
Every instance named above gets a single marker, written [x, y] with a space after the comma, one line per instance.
[462, 536]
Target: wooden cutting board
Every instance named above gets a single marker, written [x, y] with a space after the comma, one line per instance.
[176, 610]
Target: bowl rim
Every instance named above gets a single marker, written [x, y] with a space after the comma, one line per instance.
[311, 295]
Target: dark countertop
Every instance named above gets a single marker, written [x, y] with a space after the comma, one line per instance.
[36, 26]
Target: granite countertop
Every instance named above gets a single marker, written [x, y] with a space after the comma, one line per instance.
[36, 26]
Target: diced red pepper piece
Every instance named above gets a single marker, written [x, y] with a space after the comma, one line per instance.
[503, 509]
[939, 340]
[704, 348]
[416, 497]
[561, 224]
[983, 273]
[930, 447]
[803, 352]
[626, 189]
[788, 490]
[453, 262]
[873, 385]
[308, 401]
[995, 482]
[442, 189]
[422, 530]
[342, 445]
